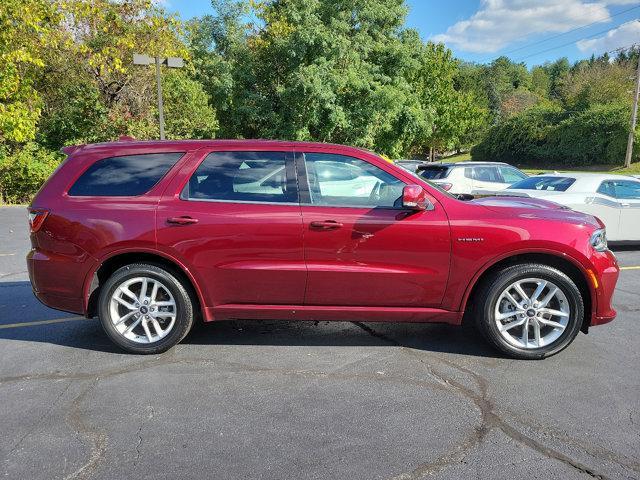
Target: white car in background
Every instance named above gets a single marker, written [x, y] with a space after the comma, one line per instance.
[469, 177]
[614, 199]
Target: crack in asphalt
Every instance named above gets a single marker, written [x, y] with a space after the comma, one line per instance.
[490, 419]
[594, 451]
[97, 439]
[150, 415]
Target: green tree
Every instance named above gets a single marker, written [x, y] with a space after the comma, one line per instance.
[316, 70]
[25, 33]
[91, 90]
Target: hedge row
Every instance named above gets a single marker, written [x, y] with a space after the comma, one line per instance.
[23, 172]
[549, 136]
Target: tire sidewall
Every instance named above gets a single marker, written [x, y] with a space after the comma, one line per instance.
[184, 312]
[508, 277]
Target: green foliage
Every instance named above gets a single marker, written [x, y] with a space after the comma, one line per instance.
[25, 32]
[346, 72]
[23, 172]
[547, 136]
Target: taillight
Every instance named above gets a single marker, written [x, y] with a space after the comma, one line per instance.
[37, 217]
[446, 186]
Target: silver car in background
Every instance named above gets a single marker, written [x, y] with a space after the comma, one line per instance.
[614, 199]
[469, 177]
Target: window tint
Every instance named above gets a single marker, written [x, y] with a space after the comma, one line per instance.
[242, 176]
[486, 174]
[124, 176]
[511, 175]
[339, 180]
[434, 172]
[623, 189]
[557, 184]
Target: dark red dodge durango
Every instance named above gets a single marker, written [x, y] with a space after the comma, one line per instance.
[152, 236]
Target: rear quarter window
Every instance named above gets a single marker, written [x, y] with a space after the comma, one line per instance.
[125, 176]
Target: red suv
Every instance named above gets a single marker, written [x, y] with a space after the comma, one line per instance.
[151, 236]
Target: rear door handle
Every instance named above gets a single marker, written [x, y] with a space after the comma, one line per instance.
[325, 225]
[185, 220]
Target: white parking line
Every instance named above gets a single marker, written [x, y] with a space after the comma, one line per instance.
[637, 267]
[7, 254]
[42, 322]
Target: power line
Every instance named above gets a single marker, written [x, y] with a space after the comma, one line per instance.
[576, 40]
[568, 32]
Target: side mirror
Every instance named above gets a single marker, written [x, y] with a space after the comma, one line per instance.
[415, 198]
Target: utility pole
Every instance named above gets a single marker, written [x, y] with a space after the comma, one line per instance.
[160, 105]
[171, 62]
[634, 118]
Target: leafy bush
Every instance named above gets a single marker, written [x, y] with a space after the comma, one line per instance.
[547, 136]
[23, 172]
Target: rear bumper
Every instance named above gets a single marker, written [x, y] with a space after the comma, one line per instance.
[57, 280]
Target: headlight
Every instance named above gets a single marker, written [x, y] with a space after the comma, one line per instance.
[599, 240]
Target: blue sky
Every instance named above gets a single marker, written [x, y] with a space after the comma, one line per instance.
[533, 31]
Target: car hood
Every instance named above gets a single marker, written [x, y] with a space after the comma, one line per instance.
[526, 207]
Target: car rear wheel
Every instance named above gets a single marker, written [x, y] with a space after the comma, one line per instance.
[529, 311]
[145, 309]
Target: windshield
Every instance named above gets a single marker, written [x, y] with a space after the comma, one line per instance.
[434, 172]
[555, 184]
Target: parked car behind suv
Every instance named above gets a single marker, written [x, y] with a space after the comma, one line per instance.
[152, 236]
[469, 177]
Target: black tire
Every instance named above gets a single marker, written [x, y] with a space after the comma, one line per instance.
[184, 308]
[489, 293]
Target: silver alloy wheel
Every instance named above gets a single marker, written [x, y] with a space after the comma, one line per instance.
[532, 313]
[143, 310]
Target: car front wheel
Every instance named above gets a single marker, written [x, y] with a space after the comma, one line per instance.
[145, 309]
[529, 311]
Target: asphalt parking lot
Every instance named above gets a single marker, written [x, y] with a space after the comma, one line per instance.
[278, 400]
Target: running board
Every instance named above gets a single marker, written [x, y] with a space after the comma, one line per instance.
[333, 313]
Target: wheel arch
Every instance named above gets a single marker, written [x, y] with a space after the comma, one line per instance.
[105, 268]
[565, 264]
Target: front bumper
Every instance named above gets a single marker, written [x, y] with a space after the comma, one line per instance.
[606, 272]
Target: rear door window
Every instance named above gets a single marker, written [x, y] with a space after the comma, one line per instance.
[628, 190]
[125, 176]
[511, 175]
[434, 172]
[487, 174]
[243, 177]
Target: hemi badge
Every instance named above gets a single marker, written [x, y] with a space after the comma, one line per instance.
[471, 240]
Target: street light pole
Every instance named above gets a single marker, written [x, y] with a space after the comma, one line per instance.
[171, 62]
[634, 119]
[160, 104]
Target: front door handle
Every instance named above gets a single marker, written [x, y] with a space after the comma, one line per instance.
[325, 225]
[185, 220]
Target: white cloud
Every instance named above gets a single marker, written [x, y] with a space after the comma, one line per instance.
[623, 36]
[498, 23]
